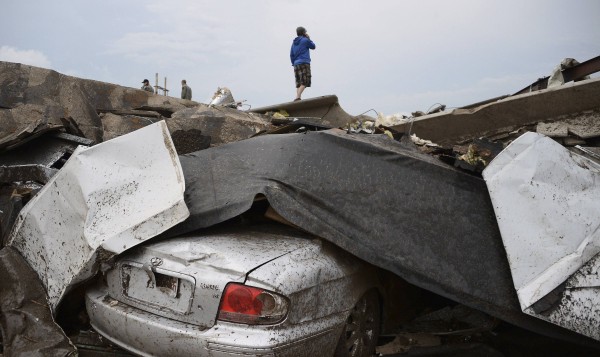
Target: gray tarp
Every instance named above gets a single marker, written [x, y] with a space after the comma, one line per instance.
[382, 200]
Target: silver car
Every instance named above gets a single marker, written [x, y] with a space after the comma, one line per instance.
[264, 291]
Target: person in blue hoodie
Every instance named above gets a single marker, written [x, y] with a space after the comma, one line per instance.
[300, 57]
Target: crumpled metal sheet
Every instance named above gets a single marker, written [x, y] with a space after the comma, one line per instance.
[223, 98]
[106, 198]
[547, 203]
[577, 308]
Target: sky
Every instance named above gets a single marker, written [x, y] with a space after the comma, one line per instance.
[387, 57]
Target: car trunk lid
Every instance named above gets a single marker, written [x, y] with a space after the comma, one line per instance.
[183, 278]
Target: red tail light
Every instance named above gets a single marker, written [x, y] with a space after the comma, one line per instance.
[249, 305]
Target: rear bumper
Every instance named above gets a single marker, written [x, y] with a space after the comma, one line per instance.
[147, 334]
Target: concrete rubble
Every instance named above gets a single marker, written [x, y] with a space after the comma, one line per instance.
[574, 107]
[36, 100]
[50, 123]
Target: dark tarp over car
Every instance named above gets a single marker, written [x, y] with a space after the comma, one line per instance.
[380, 199]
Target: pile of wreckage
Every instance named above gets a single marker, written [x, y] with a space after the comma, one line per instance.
[497, 204]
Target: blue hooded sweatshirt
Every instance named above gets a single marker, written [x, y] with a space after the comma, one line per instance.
[299, 53]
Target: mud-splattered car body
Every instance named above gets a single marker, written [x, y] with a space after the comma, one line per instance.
[167, 298]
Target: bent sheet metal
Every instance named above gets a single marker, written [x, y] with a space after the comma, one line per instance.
[108, 197]
[547, 203]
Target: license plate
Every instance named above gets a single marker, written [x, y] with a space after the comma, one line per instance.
[158, 287]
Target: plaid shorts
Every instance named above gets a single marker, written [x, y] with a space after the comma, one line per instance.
[302, 74]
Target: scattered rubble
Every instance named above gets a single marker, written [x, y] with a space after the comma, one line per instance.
[449, 325]
[575, 101]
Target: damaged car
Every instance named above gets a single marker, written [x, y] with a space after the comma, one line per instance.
[265, 291]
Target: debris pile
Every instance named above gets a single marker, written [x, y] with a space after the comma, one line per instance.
[65, 162]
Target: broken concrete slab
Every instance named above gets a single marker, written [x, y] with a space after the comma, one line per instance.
[104, 200]
[36, 99]
[24, 84]
[190, 141]
[114, 125]
[19, 124]
[222, 124]
[211, 125]
[585, 125]
[325, 110]
[62, 96]
[553, 130]
[137, 113]
[166, 106]
[461, 125]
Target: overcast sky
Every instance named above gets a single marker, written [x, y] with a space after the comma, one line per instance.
[390, 56]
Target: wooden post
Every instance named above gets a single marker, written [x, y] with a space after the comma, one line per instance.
[156, 84]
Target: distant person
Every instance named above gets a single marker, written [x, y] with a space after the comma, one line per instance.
[300, 57]
[147, 87]
[186, 91]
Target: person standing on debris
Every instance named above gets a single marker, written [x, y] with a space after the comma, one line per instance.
[147, 87]
[300, 57]
[186, 92]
